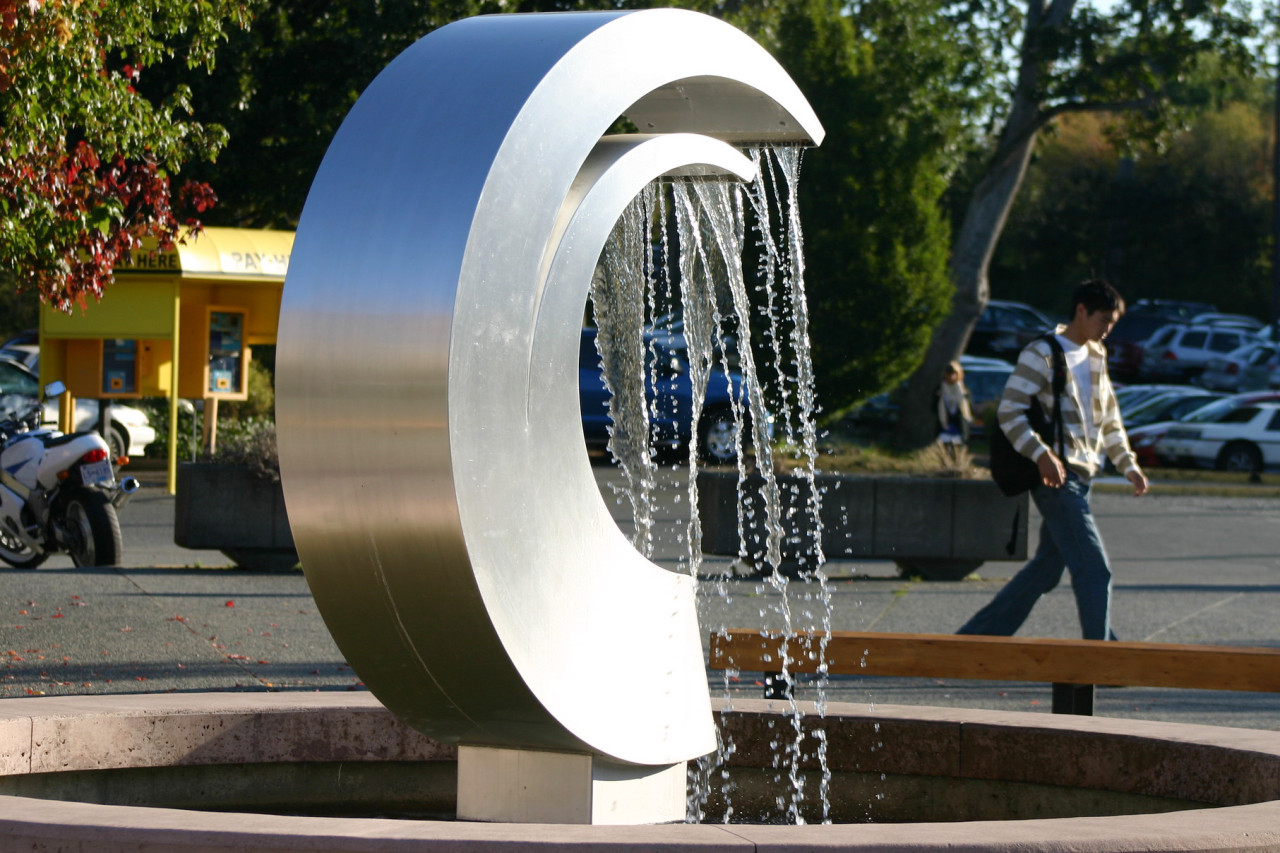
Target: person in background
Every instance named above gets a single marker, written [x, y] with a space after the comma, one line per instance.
[954, 414]
[1069, 537]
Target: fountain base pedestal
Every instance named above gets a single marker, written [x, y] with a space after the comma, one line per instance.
[530, 786]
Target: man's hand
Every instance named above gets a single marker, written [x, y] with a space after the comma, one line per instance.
[1051, 471]
[1140, 483]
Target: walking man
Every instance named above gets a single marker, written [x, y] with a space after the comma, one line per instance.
[1091, 420]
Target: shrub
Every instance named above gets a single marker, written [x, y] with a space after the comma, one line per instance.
[251, 443]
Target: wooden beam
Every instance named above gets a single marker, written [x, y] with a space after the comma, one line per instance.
[1003, 659]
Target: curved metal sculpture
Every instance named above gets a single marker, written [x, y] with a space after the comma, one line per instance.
[438, 485]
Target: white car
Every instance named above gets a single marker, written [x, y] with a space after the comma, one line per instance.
[130, 431]
[1245, 439]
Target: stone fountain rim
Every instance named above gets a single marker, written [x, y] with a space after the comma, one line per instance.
[33, 730]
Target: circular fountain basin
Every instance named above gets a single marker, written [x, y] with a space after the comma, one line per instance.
[129, 773]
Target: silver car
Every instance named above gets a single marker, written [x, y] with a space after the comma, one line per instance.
[1179, 352]
[1252, 367]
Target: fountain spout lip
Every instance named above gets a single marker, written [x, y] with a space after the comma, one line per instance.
[729, 109]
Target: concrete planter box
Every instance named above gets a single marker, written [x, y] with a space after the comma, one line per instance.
[232, 510]
[938, 528]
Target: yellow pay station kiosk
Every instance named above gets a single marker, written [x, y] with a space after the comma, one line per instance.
[178, 324]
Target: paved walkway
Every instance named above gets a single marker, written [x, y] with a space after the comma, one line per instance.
[1197, 570]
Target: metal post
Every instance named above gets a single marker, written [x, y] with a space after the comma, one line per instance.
[1275, 203]
[104, 424]
[1073, 699]
[778, 686]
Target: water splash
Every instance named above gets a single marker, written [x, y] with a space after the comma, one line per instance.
[620, 293]
[680, 251]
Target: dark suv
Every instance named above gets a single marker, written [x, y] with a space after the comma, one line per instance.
[1005, 328]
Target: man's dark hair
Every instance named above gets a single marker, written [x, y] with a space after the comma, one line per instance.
[1096, 294]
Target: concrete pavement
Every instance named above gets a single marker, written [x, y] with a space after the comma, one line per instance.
[1197, 570]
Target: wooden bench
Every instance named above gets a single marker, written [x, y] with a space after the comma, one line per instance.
[1074, 667]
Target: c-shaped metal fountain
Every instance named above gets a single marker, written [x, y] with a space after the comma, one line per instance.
[437, 482]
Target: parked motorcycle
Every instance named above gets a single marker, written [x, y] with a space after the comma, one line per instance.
[57, 492]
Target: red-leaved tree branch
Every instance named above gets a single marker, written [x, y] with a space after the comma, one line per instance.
[87, 163]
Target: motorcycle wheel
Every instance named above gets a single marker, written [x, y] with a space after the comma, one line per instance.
[16, 554]
[93, 530]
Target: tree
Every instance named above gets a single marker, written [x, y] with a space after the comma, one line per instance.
[885, 76]
[86, 161]
[1185, 220]
[881, 76]
[1070, 59]
[282, 89]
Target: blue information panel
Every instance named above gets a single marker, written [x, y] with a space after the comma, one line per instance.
[226, 352]
[119, 366]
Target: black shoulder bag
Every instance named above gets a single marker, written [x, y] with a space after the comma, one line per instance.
[1013, 472]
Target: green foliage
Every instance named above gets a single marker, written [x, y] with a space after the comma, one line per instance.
[282, 89]
[1187, 220]
[157, 411]
[234, 418]
[875, 233]
[281, 110]
[1127, 58]
[18, 311]
[86, 161]
[877, 244]
[262, 397]
[250, 443]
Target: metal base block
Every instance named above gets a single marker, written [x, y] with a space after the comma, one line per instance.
[528, 786]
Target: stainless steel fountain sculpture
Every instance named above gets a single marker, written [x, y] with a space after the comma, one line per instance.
[439, 491]
[461, 556]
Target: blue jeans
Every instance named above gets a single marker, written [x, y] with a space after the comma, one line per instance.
[1068, 539]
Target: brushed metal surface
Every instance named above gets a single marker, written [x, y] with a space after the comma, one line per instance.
[431, 447]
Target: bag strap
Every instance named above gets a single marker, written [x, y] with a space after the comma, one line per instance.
[1059, 385]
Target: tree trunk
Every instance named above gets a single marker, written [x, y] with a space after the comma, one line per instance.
[974, 245]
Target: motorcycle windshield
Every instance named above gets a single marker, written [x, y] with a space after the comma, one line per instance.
[16, 406]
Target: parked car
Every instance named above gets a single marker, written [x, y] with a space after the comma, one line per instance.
[1148, 441]
[1246, 438]
[1250, 368]
[668, 331]
[28, 355]
[1168, 407]
[669, 391]
[1172, 309]
[1126, 340]
[130, 430]
[1233, 321]
[1004, 328]
[1130, 396]
[1180, 352]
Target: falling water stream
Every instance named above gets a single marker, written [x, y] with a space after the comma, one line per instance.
[713, 272]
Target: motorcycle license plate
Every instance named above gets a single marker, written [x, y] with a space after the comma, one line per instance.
[96, 472]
